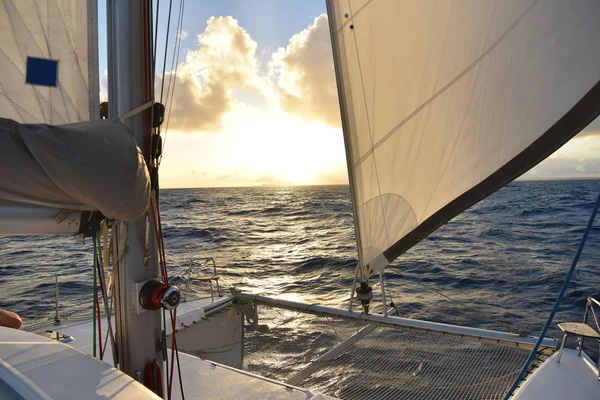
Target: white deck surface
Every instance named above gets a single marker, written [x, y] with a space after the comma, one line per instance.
[41, 368]
[574, 378]
[201, 379]
[205, 380]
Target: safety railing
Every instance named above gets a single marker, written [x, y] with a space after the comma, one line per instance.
[193, 276]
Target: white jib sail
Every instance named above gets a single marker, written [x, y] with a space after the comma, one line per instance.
[49, 61]
[444, 102]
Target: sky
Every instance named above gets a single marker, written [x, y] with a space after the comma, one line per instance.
[256, 102]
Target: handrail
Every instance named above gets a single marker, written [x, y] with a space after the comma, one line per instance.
[193, 265]
[590, 307]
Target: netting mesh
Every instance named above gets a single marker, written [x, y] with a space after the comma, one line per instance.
[385, 363]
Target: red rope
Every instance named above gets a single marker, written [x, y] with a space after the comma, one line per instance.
[158, 242]
[166, 279]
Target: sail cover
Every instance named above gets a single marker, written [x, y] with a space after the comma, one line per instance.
[444, 102]
[49, 61]
[90, 166]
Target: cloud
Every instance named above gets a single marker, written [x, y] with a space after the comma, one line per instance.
[592, 130]
[272, 180]
[203, 173]
[225, 60]
[565, 167]
[222, 75]
[103, 89]
[305, 76]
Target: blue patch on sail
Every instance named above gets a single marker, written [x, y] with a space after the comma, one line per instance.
[41, 71]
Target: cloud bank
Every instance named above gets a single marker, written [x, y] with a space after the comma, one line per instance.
[561, 167]
[299, 80]
[305, 75]
[225, 60]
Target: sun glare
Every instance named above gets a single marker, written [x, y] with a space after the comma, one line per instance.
[284, 150]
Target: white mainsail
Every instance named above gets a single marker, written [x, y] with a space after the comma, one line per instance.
[49, 60]
[444, 102]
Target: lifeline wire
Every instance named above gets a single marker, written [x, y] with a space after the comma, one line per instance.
[558, 300]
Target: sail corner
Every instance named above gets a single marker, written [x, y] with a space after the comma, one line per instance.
[378, 264]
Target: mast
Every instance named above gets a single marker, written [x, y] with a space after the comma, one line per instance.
[130, 86]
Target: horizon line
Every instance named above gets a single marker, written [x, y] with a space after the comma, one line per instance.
[347, 184]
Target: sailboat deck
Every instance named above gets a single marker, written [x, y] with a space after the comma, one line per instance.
[575, 377]
[384, 362]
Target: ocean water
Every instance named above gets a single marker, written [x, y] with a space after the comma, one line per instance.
[498, 265]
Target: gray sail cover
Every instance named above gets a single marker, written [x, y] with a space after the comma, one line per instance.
[90, 166]
[444, 102]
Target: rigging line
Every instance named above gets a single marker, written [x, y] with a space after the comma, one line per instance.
[94, 303]
[448, 85]
[362, 82]
[98, 263]
[460, 303]
[107, 306]
[173, 334]
[155, 38]
[158, 241]
[595, 318]
[175, 48]
[99, 326]
[387, 283]
[179, 371]
[111, 334]
[174, 82]
[146, 19]
[433, 290]
[162, 84]
[165, 359]
[559, 298]
[152, 75]
[161, 246]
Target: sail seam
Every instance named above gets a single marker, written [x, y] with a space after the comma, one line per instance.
[14, 33]
[72, 46]
[448, 85]
[61, 89]
[450, 155]
[18, 109]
